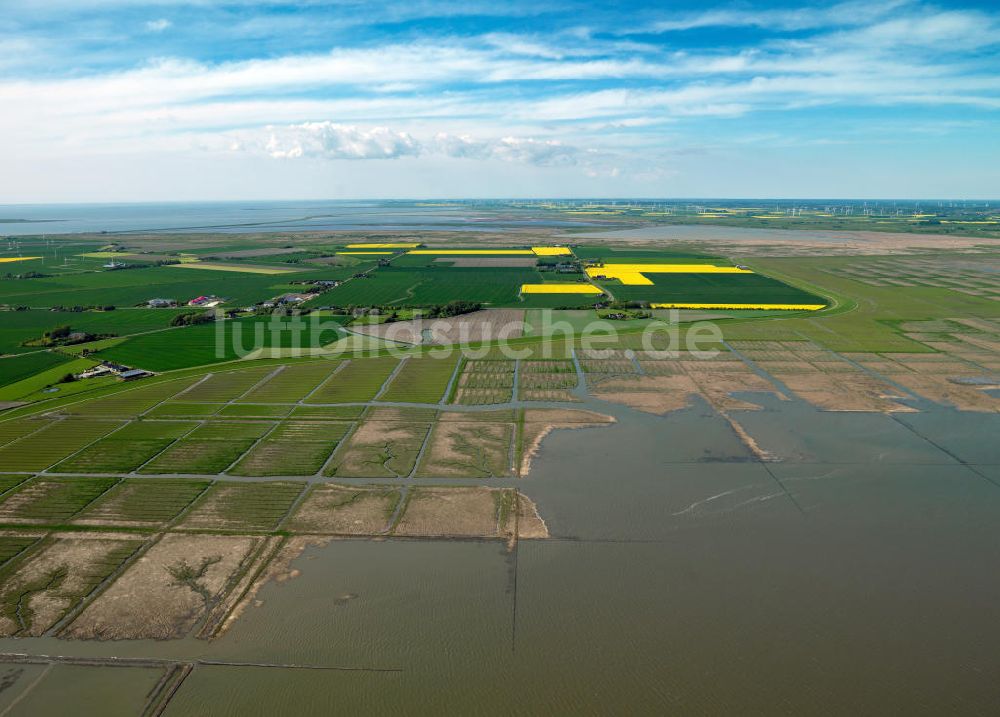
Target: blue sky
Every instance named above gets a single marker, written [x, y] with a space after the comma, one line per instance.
[120, 100]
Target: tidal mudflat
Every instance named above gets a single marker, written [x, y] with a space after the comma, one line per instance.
[677, 558]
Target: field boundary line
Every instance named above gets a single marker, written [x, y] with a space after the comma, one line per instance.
[65, 621]
[181, 393]
[405, 496]
[935, 444]
[451, 387]
[252, 446]
[27, 548]
[581, 376]
[182, 513]
[300, 496]
[28, 690]
[127, 422]
[514, 552]
[41, 407]
[321, 473]
[236, 587]
[70, 518]
[213, 625]
[512, 456]
[870, 371]
[257, 385]
[299, 500]
[389, 379]
[165, 690]
[776, 382]
[781, 484]
[393, 518]
[518, 442]
[188, 432]
[49, 422]
[340, 367]
[41, 659]
[423, 447]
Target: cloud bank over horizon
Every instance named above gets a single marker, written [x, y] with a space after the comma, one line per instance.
[117, 100]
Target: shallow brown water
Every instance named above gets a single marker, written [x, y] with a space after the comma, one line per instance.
[857, 575]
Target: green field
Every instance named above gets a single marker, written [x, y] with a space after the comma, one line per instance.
[133, 400]
[359, 381]
[433, 285]
[44, 378]
[136, 286]
[294, 448]
[242, 410]
[13, 545]
[13, 430]
[15, 368]
[146, 501]
[208, 449]
[227, 385]
[327, 413]
[293, 382]
[183, 409]
[52, 500]
[17, 327]
[53, 443]
[126, 449]
[711, 288]
[243, 506]
[222, 341]
[420, 380]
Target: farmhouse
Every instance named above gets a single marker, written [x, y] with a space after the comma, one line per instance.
[100, 370]
[207, 302]
[293, 298]
[107, 368]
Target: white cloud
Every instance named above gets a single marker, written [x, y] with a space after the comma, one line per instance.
[942, 31]
[851, 13]
[528, 150]
[328, 140]
[158, 25]
[331, 140]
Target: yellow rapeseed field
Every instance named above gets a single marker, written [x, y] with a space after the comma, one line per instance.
[633, 274]
[9, 259]
[484, 252]
[105, 254]
[559, 289]
[384, 245]
[776, 307]
[551, 250]
[363, 253]
[245, 268]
